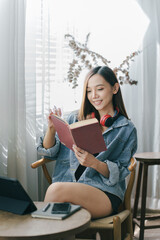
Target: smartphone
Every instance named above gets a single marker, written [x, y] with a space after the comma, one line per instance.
[61, 208]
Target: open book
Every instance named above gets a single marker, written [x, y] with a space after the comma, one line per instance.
[85, 134]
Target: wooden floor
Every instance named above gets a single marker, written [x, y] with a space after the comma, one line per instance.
[149, 234]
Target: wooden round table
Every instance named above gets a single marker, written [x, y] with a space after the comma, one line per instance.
[13, 227]
[145, 160]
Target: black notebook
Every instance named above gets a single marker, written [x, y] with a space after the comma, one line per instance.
[46, 212]
[13, 197]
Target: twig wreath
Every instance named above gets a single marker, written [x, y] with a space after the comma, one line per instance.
[85, 58]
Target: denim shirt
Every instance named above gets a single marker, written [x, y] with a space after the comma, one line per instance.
[121, 143]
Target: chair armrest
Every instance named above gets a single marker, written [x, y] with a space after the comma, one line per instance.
[41, 162]
[107, 222]
[123, 215]
[133, 164]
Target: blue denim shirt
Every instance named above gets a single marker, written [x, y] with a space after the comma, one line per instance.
[121, 142]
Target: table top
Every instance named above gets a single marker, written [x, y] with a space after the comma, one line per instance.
[148, 157]
[14, 226]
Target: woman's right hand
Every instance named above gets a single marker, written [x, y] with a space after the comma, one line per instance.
[56, 111]
[49, 138]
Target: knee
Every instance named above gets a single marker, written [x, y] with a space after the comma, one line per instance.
[55, 193]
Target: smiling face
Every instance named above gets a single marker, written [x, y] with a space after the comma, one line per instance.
[100, 94]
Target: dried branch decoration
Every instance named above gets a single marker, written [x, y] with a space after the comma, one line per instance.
[85, 58]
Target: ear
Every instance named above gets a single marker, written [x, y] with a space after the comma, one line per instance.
[115, 88]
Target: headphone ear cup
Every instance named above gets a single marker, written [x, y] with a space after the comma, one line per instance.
[106, 120]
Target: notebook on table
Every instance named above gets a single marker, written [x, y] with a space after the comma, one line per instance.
[46, 212]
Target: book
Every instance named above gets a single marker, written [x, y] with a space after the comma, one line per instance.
[85, 134]
[42, 213]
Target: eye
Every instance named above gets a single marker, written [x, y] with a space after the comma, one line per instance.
[88, 91]
[100, 89]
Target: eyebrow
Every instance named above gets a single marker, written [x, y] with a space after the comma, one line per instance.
[99, 85]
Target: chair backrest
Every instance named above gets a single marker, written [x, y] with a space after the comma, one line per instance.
[127, 198]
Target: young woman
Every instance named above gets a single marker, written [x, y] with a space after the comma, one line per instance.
[101, 187]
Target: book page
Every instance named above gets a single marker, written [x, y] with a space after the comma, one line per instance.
[83, 123]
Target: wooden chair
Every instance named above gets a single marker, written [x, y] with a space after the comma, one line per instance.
[116, 227]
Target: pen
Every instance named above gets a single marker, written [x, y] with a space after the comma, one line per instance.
[46, 207]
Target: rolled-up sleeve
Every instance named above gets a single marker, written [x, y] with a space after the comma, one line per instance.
[50, 152]
[113, 175]
[118, 168]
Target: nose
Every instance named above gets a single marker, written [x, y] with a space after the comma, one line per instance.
[94, 94]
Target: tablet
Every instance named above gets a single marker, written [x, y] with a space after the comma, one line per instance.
[13, 197]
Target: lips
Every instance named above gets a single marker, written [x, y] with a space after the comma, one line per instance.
[97, 103]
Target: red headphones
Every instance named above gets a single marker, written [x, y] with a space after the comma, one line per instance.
[107, 120]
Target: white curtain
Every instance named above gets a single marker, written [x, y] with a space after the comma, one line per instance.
[143, 101]
[34, 61]
[17, 146]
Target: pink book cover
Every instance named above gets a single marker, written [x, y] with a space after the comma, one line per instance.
[63, 131]
[85, 134]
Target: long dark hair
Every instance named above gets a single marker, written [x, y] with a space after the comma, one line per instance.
[87, 108]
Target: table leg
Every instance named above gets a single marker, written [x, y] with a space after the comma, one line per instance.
[143, 201]
[72, 237]
[138, 187]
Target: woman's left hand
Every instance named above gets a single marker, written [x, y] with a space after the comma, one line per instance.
[88, 160]
[85, 158]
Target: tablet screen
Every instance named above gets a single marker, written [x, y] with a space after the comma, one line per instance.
[14, 198]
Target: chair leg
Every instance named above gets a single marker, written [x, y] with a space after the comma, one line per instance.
[128, 237]
[117, 228]
[129, 225]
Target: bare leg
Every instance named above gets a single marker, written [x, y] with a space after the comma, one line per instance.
[90, 198]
